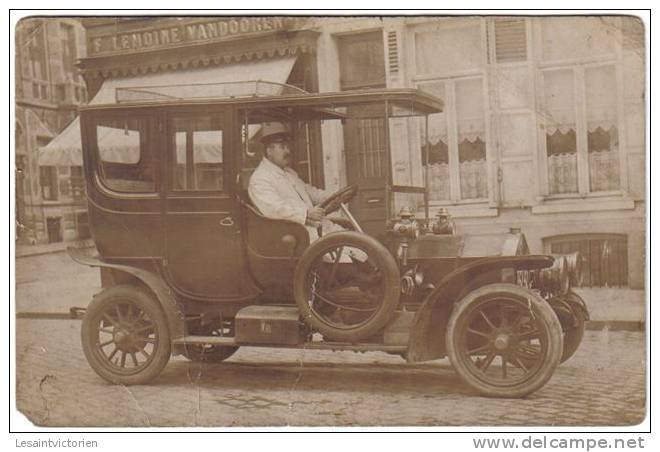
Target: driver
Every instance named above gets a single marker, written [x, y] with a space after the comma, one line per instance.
[278, 192]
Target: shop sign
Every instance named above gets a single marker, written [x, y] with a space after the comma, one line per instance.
[187, 33]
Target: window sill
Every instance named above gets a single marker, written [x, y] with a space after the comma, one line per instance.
[589, 203]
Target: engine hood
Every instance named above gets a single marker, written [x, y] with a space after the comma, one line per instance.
[468, 246]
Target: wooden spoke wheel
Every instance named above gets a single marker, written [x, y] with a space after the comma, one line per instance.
[504, 340]
[347, 286]
[125, 336]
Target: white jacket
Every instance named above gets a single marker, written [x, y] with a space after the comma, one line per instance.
[279, 193]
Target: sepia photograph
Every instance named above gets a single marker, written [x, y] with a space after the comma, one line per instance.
[269, 220]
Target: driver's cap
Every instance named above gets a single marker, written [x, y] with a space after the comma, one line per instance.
[274, 131]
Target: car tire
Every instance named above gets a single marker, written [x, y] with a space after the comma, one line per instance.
[379, 258]
[503, 321]
[125, 335]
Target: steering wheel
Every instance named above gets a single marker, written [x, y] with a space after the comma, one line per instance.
[342, 196]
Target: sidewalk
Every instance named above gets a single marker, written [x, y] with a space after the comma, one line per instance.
[614, 308]
[49, 248]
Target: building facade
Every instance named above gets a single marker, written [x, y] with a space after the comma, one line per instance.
[543, 127]
[50, 203]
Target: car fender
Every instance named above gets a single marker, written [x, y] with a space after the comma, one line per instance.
[577, 303]
[568, 306]
[430, 322]
[165, 296]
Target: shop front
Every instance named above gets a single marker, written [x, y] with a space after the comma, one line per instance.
[190, 57]
[543, 126]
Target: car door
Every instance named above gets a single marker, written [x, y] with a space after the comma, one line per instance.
[203, 254]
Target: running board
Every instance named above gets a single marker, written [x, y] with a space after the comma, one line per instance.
[334, 346]
[210, 340]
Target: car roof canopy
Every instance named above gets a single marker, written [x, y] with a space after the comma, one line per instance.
[257, 94]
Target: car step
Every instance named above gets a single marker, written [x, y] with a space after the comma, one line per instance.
[336, 346]
[212, 340]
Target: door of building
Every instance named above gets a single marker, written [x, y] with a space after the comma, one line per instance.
[367, 165]
[362, 66]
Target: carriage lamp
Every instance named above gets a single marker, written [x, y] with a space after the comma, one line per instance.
[443, 223]
[407, 228]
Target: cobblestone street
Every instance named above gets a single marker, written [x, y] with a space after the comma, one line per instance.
[473, 184]
[603, 384]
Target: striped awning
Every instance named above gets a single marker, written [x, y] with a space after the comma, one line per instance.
[66, 148]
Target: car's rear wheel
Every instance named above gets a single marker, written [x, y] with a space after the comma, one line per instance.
[125, 336]
[504, 340]
[347, 286]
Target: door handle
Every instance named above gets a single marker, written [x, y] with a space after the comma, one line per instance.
[227, 221]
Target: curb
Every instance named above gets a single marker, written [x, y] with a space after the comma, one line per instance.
[30, 251]
[616, 325]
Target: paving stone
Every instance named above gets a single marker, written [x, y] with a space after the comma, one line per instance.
[603, 384]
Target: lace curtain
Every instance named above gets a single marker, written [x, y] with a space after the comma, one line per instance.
[439, 181]
[602, 133]
[562, 173]
[473, 179]
[467, 109]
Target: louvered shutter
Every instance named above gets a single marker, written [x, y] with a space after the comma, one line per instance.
[510, 40]
[392, 53]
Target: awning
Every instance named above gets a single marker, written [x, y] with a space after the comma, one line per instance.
[66, 148]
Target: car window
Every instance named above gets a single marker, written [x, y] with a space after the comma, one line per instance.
[196, 145]
[126, 163]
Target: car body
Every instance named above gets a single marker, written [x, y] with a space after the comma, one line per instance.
[189, 266]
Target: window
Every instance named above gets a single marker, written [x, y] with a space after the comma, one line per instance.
[34, 63]
[560, 127]
[48, 182]
[69, 53]
[126, 158]
[77, 183]
[581, 129]
[36, 52]
[361, 61]
[457, 141]
[604, 257]
[198, 159]
[602, 131]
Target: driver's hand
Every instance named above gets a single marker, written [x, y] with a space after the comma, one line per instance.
[314, 215]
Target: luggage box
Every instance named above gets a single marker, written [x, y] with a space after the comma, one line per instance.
[269, 325]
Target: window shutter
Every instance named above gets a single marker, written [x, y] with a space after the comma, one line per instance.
[510, 40]
[392, 52]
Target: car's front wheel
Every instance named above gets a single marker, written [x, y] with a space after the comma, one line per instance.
[504, 340]
[125, 336]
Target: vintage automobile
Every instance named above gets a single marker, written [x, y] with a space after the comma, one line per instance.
[189, 266]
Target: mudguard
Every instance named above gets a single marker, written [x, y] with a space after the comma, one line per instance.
[430, 321]
[577, 303]
[165, 296]
[568, 306]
